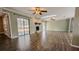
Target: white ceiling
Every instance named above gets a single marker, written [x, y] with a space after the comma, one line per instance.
[60, 12]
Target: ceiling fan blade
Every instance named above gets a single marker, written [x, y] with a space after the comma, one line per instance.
[44, 11]
[40, 13]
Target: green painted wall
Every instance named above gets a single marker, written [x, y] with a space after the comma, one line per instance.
[14, 25]
[60, 25]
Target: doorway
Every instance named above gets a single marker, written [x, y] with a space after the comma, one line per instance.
[5, 24]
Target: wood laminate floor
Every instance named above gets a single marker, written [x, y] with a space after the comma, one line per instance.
[44, 41]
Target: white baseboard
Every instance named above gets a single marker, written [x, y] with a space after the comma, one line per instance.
[58, 30]
[14, 37]
[74, 46]
[7, 35]
[70, 43]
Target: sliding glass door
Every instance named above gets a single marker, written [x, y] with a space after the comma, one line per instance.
[23, 26]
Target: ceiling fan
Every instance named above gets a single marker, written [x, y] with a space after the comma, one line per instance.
[38, 10]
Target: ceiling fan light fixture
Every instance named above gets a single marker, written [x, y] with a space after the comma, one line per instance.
[38, 10]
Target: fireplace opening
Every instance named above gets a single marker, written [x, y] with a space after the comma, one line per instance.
[37, 28]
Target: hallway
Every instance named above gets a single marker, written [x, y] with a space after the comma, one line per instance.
[45, 41]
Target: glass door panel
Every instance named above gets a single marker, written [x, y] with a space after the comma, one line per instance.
[26, 26]
[23, 26]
